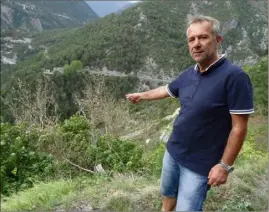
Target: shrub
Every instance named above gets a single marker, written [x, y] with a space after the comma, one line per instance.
[248, 151]
[259, 78]
[21, 164]
[76, 141]
[153, 160]
[30, 154]
[118, 155]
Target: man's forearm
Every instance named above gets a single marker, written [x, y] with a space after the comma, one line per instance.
[157, 93]
[234, 144]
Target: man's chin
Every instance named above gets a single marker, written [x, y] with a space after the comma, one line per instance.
[198, 60]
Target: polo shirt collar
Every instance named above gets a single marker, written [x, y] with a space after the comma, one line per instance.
[218, 61]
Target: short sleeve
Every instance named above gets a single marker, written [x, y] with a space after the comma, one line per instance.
[173, 87]
[240, 94]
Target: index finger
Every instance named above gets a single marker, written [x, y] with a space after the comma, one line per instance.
[210, 181]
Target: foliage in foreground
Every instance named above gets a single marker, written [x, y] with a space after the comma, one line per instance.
[29, 154]
[245, 190]
[21, 162]
[259, 78]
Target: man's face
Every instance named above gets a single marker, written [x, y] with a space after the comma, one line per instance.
[203, 45]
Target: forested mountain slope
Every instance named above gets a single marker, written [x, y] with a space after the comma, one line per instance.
[150, 37]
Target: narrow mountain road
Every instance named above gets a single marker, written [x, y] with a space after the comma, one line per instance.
[119, 74]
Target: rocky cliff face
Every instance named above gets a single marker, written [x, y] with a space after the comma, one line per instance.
[41, 15]
[22, 19]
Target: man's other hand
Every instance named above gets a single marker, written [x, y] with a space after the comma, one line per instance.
[217, 176]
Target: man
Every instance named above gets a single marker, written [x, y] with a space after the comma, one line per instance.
[216, 98]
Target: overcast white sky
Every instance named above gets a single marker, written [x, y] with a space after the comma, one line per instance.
[103, 8]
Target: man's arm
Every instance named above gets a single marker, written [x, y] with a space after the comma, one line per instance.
[219, 175]
[236, 138]
[157, 93]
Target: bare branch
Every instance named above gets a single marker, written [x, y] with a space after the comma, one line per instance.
[100, 107]
[32, 107]
[87, 170]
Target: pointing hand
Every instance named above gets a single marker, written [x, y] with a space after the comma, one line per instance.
[134, 97]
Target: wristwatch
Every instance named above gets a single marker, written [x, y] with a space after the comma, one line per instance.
[228, 168]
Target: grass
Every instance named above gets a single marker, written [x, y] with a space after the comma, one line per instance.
[259, 126]
[246, 189]
[123, 193]
[42, 196]
[247, 186]
[51, 195]
[129, 193]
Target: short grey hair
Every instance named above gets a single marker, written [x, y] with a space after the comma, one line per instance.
[201, 18]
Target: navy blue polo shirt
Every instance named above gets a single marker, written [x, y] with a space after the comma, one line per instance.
[201, 130]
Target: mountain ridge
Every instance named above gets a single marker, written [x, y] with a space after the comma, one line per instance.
[150, 38]
[22, 20]
[41, 15]
[150, 27]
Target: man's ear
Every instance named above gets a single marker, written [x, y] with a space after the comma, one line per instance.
[218, 39]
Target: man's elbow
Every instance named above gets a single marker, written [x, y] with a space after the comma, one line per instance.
[240, 131]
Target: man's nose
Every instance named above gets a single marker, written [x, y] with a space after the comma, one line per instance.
[197, 43]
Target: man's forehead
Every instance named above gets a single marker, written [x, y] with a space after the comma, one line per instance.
[203, 27]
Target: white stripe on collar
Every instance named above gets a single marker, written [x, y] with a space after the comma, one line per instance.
[222, 56]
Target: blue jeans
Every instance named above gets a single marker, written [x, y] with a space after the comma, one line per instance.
[188, 187]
